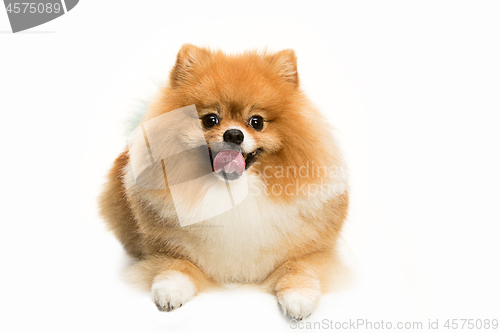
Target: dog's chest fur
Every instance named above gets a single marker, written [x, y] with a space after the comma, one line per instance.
[243, 244]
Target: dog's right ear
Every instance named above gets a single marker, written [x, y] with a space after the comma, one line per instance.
[286, 63]
[188, 56]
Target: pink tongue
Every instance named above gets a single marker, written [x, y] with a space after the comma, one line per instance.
[229, 161]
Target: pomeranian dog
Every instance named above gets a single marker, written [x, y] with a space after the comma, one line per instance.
[270, 152]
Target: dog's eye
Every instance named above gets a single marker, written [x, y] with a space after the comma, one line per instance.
[210, 120]
[257, 122]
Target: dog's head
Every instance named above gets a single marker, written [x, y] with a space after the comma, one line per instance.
[252, 111]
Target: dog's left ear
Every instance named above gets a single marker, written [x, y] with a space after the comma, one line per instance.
[286, 62]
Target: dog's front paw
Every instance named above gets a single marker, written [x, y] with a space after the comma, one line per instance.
[299, 303]
[172, 290]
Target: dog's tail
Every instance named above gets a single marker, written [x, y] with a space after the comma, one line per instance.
[139, 104]
[137, 112]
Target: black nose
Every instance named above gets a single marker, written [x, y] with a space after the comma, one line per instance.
[234, 136]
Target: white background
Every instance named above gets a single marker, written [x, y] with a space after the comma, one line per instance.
[411, 87]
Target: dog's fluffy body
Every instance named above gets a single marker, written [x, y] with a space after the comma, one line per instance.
[283, 235]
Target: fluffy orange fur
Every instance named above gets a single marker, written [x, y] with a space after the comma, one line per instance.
[283, 236]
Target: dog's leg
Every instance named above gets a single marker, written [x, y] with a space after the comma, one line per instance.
[172, 282]
[298, 284]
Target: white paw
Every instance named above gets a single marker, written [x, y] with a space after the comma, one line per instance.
[172, 291]
[299, 303]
